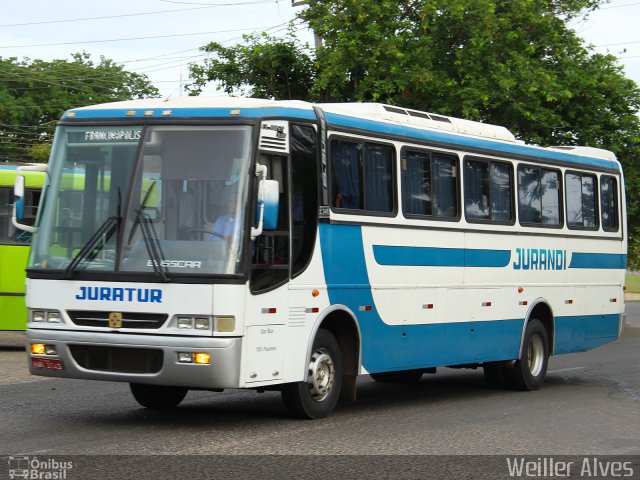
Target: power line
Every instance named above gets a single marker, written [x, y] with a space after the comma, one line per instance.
[234, 4]
[619, 6]
[131, 38]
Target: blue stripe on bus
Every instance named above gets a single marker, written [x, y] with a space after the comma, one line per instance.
[464, 141]
[193, 113]
[582, 333]
[397, 347]
[598, 260]
[440, 257]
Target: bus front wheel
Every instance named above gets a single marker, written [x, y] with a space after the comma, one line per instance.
[157, 397]
[317, 396]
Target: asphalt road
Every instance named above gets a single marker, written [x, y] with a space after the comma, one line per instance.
[590, 404]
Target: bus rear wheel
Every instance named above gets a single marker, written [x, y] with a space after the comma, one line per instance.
[318, 395]
[529, 372]
[157, 397]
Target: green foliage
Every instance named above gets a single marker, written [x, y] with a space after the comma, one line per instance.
[265, 67]
[35, 93]
[508, 62]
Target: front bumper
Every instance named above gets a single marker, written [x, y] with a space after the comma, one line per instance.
[222, 372]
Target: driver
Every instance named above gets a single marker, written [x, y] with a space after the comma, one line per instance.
[225, 224]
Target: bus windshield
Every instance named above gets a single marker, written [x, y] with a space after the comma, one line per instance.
[161, 199]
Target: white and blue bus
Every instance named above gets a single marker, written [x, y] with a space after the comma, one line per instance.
[240, 243]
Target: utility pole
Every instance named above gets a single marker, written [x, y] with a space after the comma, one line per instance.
[317, 38]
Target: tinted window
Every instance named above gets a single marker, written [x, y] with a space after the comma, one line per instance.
[304, 195]
[581, 200]
[362, 176]
[609, 203]
[488, 191]
[429, 184]
[539, 196]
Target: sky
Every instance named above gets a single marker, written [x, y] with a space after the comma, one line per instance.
[160, 38]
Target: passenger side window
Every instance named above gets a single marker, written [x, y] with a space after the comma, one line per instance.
[539, 196]
[362, 176]
[581, 201]
[429, 184]
[488, 191]
[609, 203]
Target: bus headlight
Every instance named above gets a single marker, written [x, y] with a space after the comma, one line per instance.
[49, 316]
[202, 323]
[185, 322]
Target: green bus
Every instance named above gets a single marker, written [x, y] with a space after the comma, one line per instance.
[14, 245]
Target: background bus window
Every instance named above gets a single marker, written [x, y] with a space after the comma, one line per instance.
[539, 196]
[8, 233]
[429, 184]
[362, 176]
[581, 201]
[609, 203]
[488, 191]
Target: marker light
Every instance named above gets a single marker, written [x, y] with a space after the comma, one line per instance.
[225, 324]
[202, 324]
[38, 316]
[185, 322]
[38, 348]
[202, 358]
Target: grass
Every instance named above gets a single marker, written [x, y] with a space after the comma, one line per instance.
[633, 283]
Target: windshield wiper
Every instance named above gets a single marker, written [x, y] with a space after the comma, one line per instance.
[89, 250]
[152, 243]
[150, 237]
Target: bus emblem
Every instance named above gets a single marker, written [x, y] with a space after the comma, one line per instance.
[115, 320]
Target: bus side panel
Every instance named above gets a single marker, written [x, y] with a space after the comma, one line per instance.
[391, 345]
[13, 312]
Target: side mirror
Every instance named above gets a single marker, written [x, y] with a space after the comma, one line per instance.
[18, 206]
[271, 203]
[268, 203]
[18, 192]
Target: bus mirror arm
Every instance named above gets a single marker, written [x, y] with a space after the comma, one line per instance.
[268, 202]
[18, 192]
[18, 203]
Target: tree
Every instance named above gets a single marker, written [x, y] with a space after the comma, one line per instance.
[265, 67]
[514, 63]
[35, 93]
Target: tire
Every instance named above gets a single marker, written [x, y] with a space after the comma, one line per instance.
[401, 376]
[494, 375]
[318, 395]
[157, 397]
[529, 372]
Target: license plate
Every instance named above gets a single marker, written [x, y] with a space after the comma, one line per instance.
[47, 363]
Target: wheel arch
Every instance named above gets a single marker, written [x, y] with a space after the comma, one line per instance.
[541, 310]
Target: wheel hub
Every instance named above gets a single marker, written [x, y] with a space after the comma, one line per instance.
[321, 375]
[535, 355]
